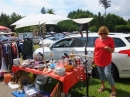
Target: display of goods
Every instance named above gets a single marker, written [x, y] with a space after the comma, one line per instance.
[68, 68]
[38, 57]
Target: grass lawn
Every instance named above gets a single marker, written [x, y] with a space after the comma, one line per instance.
[122, 86]
[36, 46]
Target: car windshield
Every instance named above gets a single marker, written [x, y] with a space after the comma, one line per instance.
[51, 38]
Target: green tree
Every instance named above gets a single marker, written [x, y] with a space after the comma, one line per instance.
[50, 11]
[122, 28]
[13, 18]
[105, 4]
[4, 20]
[113, 20]
[99, 20]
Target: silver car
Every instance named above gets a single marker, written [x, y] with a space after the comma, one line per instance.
[36, 39]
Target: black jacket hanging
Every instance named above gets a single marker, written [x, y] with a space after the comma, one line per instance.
[28, 46]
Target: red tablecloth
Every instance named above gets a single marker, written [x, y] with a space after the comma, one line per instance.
[68, 80]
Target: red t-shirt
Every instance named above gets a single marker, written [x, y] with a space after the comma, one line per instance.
[103, 57]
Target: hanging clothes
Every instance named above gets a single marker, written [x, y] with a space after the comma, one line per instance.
[0, 56]
[19, 49]
[14, 50]
[28, 48]
[5, 54]
[8, 52]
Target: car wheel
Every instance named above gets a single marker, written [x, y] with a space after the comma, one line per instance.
[114, 72]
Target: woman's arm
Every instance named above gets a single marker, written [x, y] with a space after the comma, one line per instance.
[111, 49]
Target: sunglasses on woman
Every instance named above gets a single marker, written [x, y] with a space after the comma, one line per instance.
[102, 33]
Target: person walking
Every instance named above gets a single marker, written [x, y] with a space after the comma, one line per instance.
[104, 47]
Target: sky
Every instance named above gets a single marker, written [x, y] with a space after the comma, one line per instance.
[63, 7]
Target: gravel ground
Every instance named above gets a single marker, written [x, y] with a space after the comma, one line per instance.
[5, 90]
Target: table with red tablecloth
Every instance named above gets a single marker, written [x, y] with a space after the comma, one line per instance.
[70, 78]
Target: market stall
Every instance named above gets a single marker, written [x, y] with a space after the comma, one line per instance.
[68, 80]
[68, 70]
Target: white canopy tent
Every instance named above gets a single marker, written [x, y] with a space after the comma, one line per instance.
[47, 19]
[39, 19]
[82, 20]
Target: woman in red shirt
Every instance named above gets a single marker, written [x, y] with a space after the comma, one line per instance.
[104, 47]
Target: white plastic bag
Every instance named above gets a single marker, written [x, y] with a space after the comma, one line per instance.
[3, 67]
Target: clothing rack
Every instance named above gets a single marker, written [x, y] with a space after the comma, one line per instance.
[2, 42]
[8, 52]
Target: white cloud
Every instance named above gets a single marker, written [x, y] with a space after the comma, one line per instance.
[63, 7]
[62, 13]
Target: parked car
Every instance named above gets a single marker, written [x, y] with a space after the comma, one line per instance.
[120, 57]
[36, 39]
[50, 40]
[3, 38]
[47, 42]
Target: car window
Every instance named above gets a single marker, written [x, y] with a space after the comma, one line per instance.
[81, 42]
[63, 43]
[128, 39]
[78, 42]
[118, 42]
[91, 41]
[54, 39]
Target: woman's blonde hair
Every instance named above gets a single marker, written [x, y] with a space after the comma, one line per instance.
[103, 29]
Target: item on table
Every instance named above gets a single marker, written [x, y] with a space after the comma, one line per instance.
[49, 70]
[61, 61]
[71, 55]
[29, 66]
[66, 55]
[38, 56]
[41, 68]
[66, 61]
[25, 63]
[77, 61]
[16, 62]
[68, 68]
[59, 71]
[52, 66]
[45, 69]
[36, 63]
[36, 67]
[54, 71]
[31, 60]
